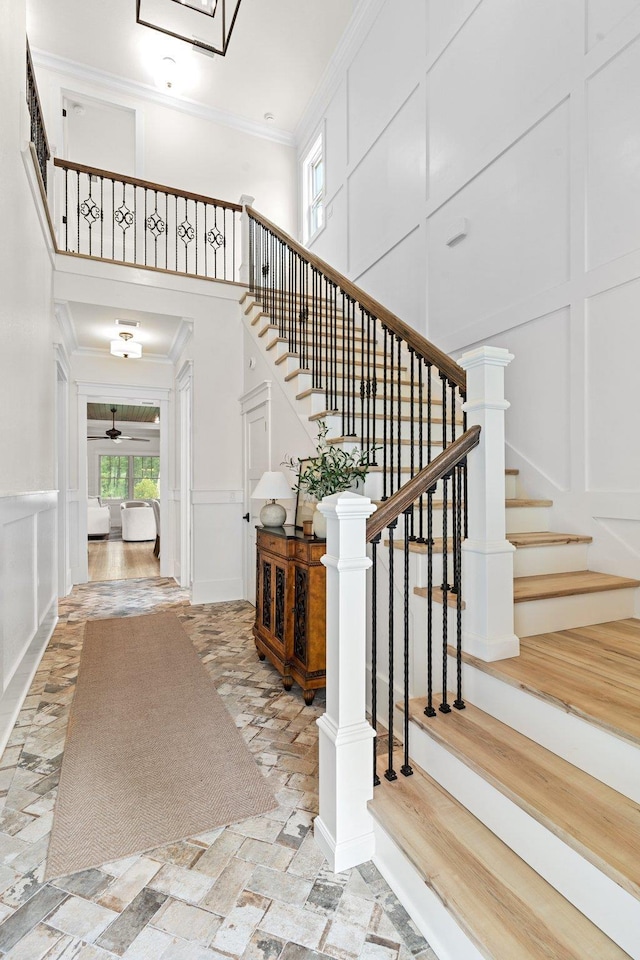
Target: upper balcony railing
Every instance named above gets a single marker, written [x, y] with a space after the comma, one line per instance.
[38, 134]
[109, 216]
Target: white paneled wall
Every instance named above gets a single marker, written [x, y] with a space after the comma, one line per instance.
[513, 124]
[28, 612]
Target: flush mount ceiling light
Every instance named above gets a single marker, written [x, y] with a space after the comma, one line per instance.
[126, 347]
[206, 24]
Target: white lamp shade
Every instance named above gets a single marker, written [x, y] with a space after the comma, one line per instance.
[272, 485]
[131, 349]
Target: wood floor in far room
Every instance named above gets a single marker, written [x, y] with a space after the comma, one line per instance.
[122, 560]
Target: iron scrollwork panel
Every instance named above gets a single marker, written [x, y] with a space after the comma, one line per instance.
[266, 594]
[300, 614]
[280, 597]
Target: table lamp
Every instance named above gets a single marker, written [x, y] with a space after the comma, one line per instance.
[270, 486]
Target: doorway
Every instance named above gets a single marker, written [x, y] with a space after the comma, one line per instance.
[256, 410]
[123, 491]
[89, 480]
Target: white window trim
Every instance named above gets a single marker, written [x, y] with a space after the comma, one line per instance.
[315, 153]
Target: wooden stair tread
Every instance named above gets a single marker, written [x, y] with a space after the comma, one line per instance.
[519, 540]
[405, 441]
[548, 669]
[438, 594]
[504, 907]
[539, 539]
[547, 585]
[602, 825]
[527, 502]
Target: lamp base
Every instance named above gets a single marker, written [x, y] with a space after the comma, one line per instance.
[273, 514]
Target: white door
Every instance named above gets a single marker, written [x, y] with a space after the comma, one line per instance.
[257, 459]
[100, 134]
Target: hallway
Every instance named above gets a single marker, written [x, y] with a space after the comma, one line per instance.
[257, 890]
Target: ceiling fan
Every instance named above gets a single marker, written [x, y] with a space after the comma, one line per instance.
[116, 435]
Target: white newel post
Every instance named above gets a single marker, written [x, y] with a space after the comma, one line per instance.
[487, 555]
[343, 829]
[246, 201]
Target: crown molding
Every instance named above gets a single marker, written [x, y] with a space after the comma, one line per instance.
[143, 91]
[358, 27]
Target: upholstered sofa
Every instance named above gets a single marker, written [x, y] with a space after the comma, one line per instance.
[138, 520]
[98, 518]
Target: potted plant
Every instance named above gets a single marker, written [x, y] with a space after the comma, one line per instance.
[331, 470]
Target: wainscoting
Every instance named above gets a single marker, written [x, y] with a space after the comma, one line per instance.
[28, 579]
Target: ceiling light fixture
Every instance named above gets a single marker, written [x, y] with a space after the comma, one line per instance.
[205, 24]
[126, 347]
[167, 73]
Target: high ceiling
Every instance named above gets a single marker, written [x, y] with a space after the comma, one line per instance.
[277, 53]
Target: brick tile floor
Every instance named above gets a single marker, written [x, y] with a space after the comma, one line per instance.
[257, 890]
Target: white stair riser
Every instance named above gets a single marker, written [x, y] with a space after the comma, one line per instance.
[527, 519]
[606, 904]
[608, 758]
[337, 426]
[511, 486]
[551, 558]
[565, 613]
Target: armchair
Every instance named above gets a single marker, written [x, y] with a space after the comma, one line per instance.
[138, 521]
[98, 518]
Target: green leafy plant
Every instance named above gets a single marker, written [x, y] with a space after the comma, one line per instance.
[146, 489]
[332, 469]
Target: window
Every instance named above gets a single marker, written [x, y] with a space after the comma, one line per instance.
[128, 478]
[313, 189]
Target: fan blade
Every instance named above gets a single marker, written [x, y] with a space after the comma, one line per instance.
[137, 439]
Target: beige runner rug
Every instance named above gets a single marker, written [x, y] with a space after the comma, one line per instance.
[152, 756]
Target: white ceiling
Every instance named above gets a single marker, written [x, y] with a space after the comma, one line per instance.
[277, 53]
[95, 327]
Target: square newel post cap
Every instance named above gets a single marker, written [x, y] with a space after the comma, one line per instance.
[486, 356]
[246, 200]
[352, 506]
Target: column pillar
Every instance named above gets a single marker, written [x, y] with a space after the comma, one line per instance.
[344, 829]
[487, 555]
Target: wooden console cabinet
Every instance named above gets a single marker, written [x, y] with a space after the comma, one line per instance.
[290, 606]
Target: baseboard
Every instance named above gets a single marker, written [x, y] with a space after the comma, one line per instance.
[13, 697]
[216, 591]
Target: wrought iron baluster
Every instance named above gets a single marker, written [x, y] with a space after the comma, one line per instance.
[458, 703]
[420, 449]
[444, 706]
[429, 709]
[384, 413]
[406, 768]
[363, 383]
[374, 653]
[390, 773]
[66, 208]
[373, 380]
[410, 533]
[399, 414]
[78, 206]
[391, 415]
[352, 431]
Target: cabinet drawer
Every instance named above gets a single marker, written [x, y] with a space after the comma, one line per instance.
[301, 551]
[277, 545]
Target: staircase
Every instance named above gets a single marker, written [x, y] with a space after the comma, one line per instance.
[518, 834]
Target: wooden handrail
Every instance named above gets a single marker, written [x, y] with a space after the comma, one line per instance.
[415, 340]
[148, 184]
[426, 478]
